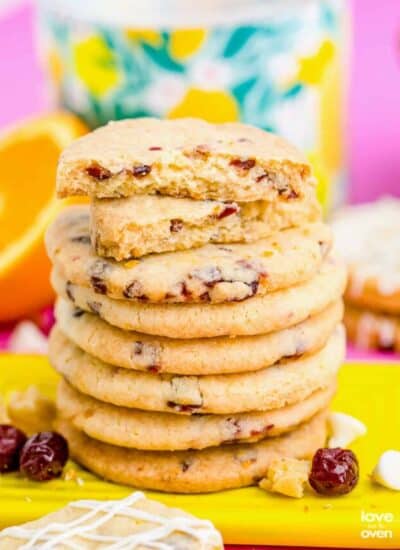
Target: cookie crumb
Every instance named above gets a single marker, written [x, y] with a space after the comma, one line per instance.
[31, 411]
[287, 476]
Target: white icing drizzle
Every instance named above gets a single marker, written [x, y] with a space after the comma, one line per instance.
[368, 238]
[98, 513]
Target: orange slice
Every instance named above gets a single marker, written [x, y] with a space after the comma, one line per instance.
[28, 160]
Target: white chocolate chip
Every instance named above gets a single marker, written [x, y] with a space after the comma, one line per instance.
[344, 429]
[27, 338]
[387, 471]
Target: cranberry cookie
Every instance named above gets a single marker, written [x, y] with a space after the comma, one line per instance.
[212, 273]
[154, 431]
[208, 470]
[276, 386]
[367, 236]
[372, 330]
[258, 315]
[197, 356]
[146, 224]
[183, 158]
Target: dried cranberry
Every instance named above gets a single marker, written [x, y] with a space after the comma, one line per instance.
[98, 172]
[98, 284]
[11, 442]
[134, 290]
[202, 151]
[243, 164]
[334, 471]
[183, 408]
[78, 312]
[68, 291]
[228, 211]
[141, 170]
[153, 368]
[138, 348]
[262, 177]
[175, 225]
[185, 464]
[43, 456]
[83, 239]
[94, 307]
[155, 148]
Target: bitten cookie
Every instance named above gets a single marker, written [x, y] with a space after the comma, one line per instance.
[146, 224]
[211, 273]
[283, 384]
[199, 356]
[367, 236]
[213, 469]
[154, 431]
[183, 158]
[258, 315]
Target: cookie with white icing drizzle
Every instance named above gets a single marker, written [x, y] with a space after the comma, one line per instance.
[367, 236]
[372, 330]
[133, 522]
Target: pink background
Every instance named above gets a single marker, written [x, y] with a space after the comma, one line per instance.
[373, 129]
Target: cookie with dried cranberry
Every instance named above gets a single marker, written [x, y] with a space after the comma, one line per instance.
[145, 224]
[372, 330]
[208, 470]
[198, 356]
[183, 158]
[258, 315]
[154, 431]
[284, 383]
[212, 273]
[367, 236]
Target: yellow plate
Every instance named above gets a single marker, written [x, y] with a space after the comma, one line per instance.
[368, 391]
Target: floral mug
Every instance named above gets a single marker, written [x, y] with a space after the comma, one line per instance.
[276, 65]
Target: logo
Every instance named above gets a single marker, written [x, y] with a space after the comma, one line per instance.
[376, 525]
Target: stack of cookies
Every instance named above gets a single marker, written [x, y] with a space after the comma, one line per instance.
[199, 315]
[368, 236]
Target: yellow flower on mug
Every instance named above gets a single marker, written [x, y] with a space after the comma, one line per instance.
[186, 42]
[148, 36]
[312, 68]
[96, 65]
[212, 105]
[324, 188]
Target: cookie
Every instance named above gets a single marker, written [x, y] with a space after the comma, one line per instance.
[183, 158]
[132, 522]
[367, 236]
[199, 356]
[208, 470]
[274, 387]
[145, 224]
[258, 315]
[170, 432]
[211, 273]
[372, 330]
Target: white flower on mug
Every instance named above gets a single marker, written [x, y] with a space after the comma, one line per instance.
[210, 75]
[164, 93]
